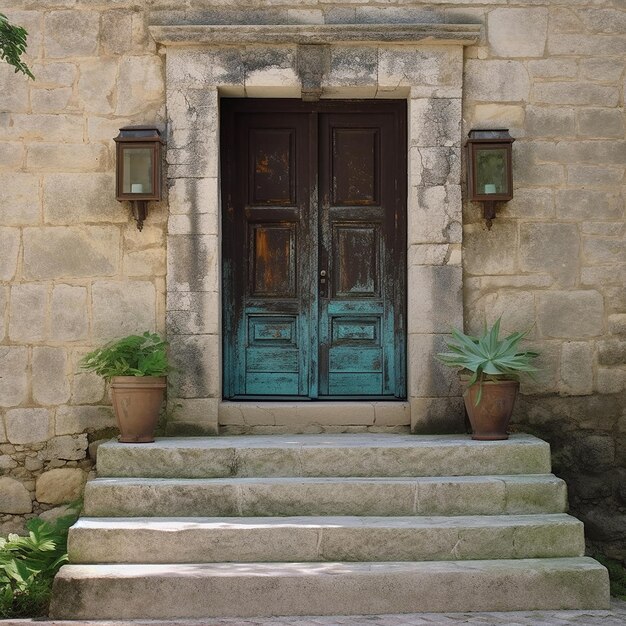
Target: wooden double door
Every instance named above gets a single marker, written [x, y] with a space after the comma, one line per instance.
[314, 244]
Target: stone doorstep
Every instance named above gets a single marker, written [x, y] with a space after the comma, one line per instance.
[261, 589]
[324, 455]
[300, 539]
[345, 413]
[456, 495]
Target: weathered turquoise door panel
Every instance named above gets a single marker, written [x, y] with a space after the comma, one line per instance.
[314, 240]
[354, 384]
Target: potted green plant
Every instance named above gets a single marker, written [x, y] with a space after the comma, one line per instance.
[136, 367]
[490, 369]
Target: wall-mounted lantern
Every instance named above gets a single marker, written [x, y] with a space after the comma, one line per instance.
[138, 168]
[489, 169]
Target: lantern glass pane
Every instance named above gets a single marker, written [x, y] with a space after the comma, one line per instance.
[137, 164]
[491, 171]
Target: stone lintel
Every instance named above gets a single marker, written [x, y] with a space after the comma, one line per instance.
[243, 34]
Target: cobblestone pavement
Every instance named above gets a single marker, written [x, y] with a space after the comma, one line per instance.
[616, 616]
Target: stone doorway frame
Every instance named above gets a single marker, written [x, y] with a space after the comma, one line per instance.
[422, 63]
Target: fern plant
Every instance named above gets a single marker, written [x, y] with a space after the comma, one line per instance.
[135, 355]
[487, 357]
[28, 566]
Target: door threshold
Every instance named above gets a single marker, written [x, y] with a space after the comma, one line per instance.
[367, 413]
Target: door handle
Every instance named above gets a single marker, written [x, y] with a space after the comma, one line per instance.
[323, 278]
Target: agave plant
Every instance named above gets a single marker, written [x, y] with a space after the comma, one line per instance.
[487, 356]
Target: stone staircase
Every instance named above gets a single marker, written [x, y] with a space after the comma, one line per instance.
[324, 525]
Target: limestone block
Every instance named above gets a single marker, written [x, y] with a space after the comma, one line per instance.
[122, 308]
[28, 425]
[490, 251]
[435, 215]
[604, 250]
[433, 167]
[68, 313]
[13, 90]
[597, 176]
[585, 45]
[581, 204]
[54, 157]
[570, 314]
[87, 388]
[197, 365]
[11, 155]
[140, 84]
[603, 20]
[517, 32]
[553, 68]
[116, 34]
[275, 66]
[13, 375]
[78, 198]
[59, 486]
[423, 65]
[31, 21]
[436, 299]
[43, 127]
[612, 352]
[54, 74]
[193, 262]
[10, 246]
[576, 368]
[195, 111]
[601, 122]
[437, 121]
[66, 448]
[145, 263]
[599, 69]
[498, 116]
[59, 252]
[19, 199]
[51, 515]
[496, 81]
[28, 312]
[603, 275]
[199, 68]
[352, 66]
[550, 121]
[193, 313]
[516, 309]
[96, 85]
[14, 497]
[551, 248]
[4, 298]
[617, 324]
[189, 196]
[428, 376]
[72, 420]
[202, 411]
[580, 94]
[529, 203]
[71, 33]
[50, 379]
[50, 100]
[610, 380]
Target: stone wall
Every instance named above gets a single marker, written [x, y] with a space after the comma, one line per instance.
[75, 271]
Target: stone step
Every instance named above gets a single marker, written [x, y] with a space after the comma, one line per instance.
[262, 589]
[234, 497]
[299, 539]
[324, 455]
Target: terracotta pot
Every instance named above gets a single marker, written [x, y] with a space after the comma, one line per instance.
[137, 401]
[490, 418]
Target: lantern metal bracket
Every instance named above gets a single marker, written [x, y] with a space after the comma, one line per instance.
[140, 211]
